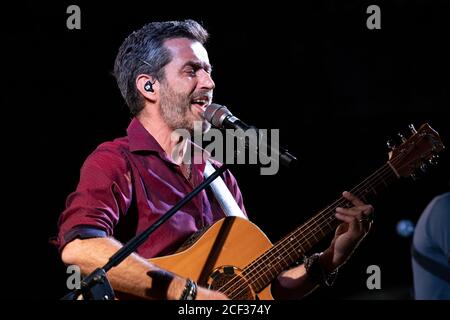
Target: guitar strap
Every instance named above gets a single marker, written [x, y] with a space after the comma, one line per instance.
[223, 194]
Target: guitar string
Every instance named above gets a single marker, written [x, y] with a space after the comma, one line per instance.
[321, 217]
[309, 235]
[377, 175]
[312, 232]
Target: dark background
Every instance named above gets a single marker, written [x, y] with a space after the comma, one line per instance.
[336, 90]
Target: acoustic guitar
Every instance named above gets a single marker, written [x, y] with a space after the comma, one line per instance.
[235, 257]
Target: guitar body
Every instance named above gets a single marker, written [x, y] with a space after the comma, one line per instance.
[219, 255]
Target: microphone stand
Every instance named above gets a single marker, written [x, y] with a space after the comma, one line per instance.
[96, 285]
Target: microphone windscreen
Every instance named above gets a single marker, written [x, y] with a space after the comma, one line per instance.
[215, 114]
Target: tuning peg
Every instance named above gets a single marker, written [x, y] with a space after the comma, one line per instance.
[433, 160]
[411, 127]
[391, 144]
[424, 167]
[401, 137]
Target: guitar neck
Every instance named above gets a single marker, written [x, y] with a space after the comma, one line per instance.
[261, 272]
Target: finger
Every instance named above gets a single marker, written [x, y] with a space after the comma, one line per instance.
[355, 226]
[368, 211]
[352, 198]
[344, 217]
[220, 296]
[364, 212]
[354, 219]
[354, 211]
[347, 211]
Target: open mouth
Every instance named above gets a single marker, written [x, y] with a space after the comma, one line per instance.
[201, 103]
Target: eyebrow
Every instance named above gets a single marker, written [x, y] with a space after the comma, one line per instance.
[198, 65]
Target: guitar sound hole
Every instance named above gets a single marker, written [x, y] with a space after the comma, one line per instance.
[228, 280]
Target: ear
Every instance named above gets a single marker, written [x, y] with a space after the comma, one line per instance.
[141, 81]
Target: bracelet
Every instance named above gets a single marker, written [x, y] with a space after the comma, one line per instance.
[317, 272]
[189, 291]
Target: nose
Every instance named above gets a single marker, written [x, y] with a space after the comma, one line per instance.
[206, 81]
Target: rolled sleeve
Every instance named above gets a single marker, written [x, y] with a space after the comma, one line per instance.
[84, 232]
[103, 194]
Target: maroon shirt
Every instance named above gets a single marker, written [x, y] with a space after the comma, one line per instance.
[127, 184]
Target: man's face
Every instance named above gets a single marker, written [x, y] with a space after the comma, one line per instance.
[187, 88]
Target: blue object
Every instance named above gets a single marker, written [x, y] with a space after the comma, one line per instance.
[405, 228]
[432, 241]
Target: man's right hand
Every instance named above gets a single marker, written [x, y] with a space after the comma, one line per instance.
[206, 294]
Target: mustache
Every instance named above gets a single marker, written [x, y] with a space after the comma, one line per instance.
[201, 94]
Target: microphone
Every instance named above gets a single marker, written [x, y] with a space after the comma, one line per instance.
[220, 117]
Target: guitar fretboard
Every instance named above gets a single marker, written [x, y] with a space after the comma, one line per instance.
[261, 272]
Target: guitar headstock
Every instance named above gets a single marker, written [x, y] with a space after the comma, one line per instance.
[417, 152]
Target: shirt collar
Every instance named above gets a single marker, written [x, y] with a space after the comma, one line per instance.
[141, 140]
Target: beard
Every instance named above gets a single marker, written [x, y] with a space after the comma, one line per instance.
[176, 110]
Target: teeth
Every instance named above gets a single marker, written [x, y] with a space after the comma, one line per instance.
[200, 101]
